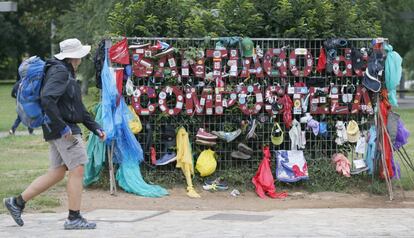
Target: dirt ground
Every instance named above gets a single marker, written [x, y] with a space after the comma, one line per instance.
[247, 201]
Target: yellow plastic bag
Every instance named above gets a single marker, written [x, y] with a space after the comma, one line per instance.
[206, 163]
[135, 123]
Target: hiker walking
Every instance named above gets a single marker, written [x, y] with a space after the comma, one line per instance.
[62, 103]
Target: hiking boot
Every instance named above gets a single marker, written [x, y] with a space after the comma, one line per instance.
[252, 133]
[240, 155]
[227, 136]
[166, 159]
[15, 211]
[245, 149]
[79, 223]
[205, 142]
[358, 171]
[202, 134]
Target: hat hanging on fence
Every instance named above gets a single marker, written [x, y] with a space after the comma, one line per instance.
[72, 48]
[247, 47]
[314, 125]
[353, 131]
[277, 134]
[370, 82]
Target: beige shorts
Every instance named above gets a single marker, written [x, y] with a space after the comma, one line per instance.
[70, 152]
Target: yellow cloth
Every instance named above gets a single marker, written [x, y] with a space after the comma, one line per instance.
[184, 153]
[185, 160]
[134, 122]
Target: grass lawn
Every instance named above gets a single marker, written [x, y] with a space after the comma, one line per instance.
[24, 158]
[7, 108]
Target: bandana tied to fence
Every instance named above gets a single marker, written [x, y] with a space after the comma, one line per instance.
[263, 180]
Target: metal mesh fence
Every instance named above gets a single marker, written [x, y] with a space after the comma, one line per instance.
[317, 147]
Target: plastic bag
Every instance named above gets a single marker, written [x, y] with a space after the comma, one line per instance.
[206, 163]
[134, 122]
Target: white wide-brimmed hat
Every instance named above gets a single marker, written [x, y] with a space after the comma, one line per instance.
[72, 48]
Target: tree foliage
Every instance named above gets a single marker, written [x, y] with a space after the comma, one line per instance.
[28, 30]
[267, 18]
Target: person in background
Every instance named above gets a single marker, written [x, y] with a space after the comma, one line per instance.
[16, 123]
[62, 103]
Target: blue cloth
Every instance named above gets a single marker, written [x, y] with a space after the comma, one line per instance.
[127, 150]
[95, 150]
[371, 151]
[109, 96]
[393, 71]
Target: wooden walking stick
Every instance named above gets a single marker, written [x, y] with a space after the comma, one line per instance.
[112, 183]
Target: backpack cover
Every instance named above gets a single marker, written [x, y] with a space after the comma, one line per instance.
[29, 108]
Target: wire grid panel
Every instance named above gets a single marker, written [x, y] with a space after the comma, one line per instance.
[317, 147]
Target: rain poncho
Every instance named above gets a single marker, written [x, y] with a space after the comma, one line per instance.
[263, 180]
[127, 151]
[109, 98]
[96, 153]
[185, 160]
[393, 71]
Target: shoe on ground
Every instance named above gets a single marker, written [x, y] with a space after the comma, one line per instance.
[202, 134]
[240, 155]
[11, 132]
[358, 171]
[166, 159]
[218, 184]
[15, 211]
[227, 136]
[79, 224]
[205, 142]
[245, 149]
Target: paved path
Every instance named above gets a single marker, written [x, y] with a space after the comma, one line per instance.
[406, 103]
[200, 224]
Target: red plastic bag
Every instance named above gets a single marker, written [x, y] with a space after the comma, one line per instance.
[119, 52]
[263, 180]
